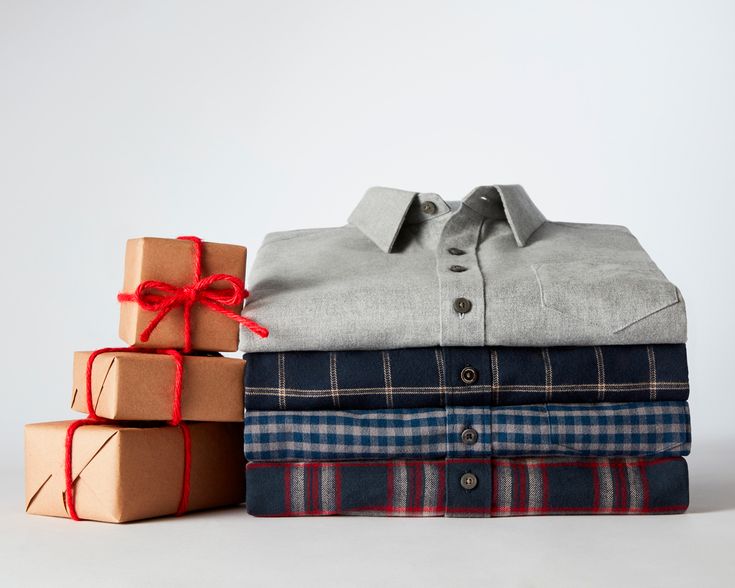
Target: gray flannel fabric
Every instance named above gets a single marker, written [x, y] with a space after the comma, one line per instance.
[591, 430]
[390, 279]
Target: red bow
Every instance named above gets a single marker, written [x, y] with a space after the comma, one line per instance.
[161, 298]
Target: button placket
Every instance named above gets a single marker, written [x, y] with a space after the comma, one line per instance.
[461, 285]
[469, 487]
[468, 481]
[468, 432]
[468, 376]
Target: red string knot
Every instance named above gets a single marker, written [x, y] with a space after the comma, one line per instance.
[162, 297]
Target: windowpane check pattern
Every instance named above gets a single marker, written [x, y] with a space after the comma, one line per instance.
[432, 376]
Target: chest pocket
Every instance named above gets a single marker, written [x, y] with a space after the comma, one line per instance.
[610, 295]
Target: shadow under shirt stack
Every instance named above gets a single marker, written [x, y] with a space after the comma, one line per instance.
[464, 359]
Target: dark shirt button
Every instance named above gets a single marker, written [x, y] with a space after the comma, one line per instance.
[455, 251]
[428, 207]
[469, 436]
[468, 375]
[457, 268]
[462, 305]
[468, 481]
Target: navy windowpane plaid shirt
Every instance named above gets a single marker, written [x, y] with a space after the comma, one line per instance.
[599, 430]
[439, 376]
[469, 487]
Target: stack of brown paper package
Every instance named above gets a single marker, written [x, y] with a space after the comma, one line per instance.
[133, 468]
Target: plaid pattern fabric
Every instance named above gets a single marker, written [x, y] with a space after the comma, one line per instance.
[430, 377]
[604, 430]
[504, 487]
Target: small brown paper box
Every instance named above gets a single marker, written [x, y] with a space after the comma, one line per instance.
[124, 473]
[139, 386]
[172, 261]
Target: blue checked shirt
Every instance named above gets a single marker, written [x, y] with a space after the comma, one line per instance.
[592, 430]
[428, 377]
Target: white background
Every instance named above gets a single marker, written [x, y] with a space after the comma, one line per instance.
[232, 119]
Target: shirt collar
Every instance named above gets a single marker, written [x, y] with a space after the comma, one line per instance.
[382, 211]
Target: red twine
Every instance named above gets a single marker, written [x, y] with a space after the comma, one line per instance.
[95, 419]
[162, 298]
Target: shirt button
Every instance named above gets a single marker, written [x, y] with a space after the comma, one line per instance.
[468, 481]
[462, 305]
[428, 207]
[469, 436]
[457, 268]
[468, 375]
[455, 251]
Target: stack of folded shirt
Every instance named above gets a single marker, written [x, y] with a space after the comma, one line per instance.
[464, 359]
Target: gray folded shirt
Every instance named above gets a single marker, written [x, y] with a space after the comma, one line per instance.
[410, 270]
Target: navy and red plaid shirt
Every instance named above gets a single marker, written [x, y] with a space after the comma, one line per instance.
[469, 487]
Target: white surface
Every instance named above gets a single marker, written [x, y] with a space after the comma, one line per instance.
[232, 119]
[230, 547]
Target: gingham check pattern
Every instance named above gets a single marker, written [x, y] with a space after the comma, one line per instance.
[629, 429]
[430, 377]
[505, 487]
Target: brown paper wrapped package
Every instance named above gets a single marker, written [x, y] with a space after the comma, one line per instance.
[171, 261]
[139, 386]
[124, 473]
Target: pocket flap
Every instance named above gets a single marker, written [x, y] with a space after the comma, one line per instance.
[614, 295]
